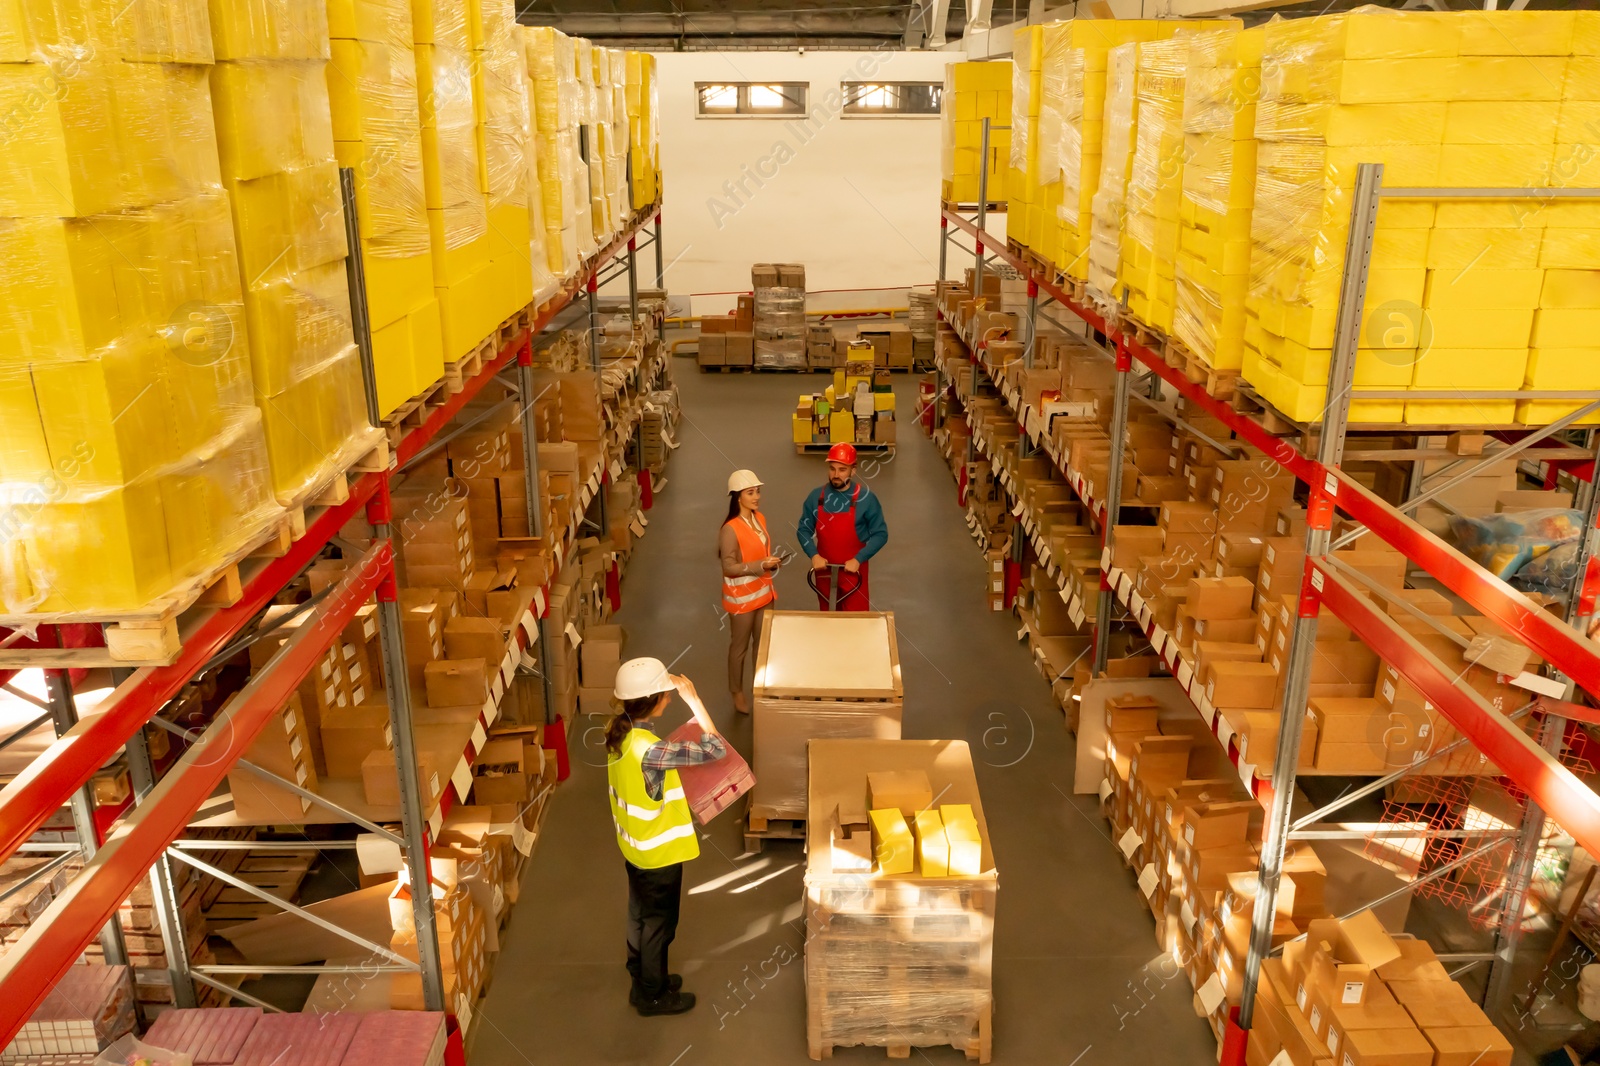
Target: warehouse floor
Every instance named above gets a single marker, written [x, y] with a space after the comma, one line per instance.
[1074, 943]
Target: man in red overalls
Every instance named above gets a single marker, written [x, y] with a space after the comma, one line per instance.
[842, 523]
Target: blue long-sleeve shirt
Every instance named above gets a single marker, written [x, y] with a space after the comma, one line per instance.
[871, 530]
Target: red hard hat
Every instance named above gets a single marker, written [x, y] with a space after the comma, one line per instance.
[842, 453]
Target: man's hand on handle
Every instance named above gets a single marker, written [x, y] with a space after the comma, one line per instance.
[818, 563]
[852, 566]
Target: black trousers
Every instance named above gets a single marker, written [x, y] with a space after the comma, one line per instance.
[653, 897]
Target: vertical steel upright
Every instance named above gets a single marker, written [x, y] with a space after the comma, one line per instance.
[1319, 520]
[355, 269]
[592, 291]
[983, 212]
[163, 883]
[633, 284]
[1113, 502]
[530, 485]
[661, 280]
[64, 715]
[414, 826]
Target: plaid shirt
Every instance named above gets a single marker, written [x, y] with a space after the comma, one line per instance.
[671, 754]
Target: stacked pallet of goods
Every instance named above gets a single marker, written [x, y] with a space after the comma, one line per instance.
[974, 92]
[133, 458]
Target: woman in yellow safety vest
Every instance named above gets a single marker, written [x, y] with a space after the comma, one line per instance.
[655, 828]
[748, 563]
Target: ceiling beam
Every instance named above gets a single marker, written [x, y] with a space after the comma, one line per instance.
[820, 23]
[937, 24]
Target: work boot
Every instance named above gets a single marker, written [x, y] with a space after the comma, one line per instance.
[674, 982]
[667, 1003]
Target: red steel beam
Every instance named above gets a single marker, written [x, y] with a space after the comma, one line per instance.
[1562, 795]
[55, 773]
[53, 943]
[1558, 644]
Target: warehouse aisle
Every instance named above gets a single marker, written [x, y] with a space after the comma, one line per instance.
[1073, 943]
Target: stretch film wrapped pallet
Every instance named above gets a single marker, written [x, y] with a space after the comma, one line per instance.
[644, 128]
[377, 130]
[504, 133]
[974, 92]
[1110, 198]
[275, 136]
[1219, 181]
[1150, 239]
[132, 456]
[458, 207]
[1033, 193]
[551, 58]
[1471, 295]
[1080, 66]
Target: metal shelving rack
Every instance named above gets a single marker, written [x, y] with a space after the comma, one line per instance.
[148, 839]
[1553, 790]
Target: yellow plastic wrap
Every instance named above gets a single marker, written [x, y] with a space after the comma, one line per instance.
[1055, 42]
[269, 29]
[372, 87]
[543, 272]
[1110, 199]
[644, 133]
[275, 132]
[458, 208]
[502, 81]
[134, 462]
[1220, 93]
[1148, 267]
[54, 30]
[974, 92]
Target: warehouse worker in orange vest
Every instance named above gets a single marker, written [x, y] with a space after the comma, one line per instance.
[842, 524]
[748, 563]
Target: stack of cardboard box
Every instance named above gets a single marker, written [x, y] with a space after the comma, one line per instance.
[779, 310]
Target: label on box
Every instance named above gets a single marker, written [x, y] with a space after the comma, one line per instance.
[616, 469]
[1105, 789]
[1136, 601]
[462, 779]
[1224, 730]
[1016, 512]
[1244, 744]
[290, 721]
[296, 746]
[1352, 991]
[521, 839]
[497, 689]
[301, 774]
[573, 636]
[526, 624]
[436, 821]
[1147, 879]
[1333, 1040]
[1185, 673]
[508, 668]
[1186, 914]
[1066, 596]
[1129, 841]
[1188, 833]
[1247, 774]
[635, 528]
[1124, 585]
[1212, 994]
[1388, 691]
[1158, 637]
[538, 605]
[388, 735]
[479, 735]
[1105, 558]
[490, 710]
[1543, 686]
[1075, 612]
[644, 520]
[1022, 633]
[1316, 579]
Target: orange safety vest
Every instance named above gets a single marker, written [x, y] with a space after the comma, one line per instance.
[741, 595]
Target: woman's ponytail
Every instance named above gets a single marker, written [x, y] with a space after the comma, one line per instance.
[633, 712]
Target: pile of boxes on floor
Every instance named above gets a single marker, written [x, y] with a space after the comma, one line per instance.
[729, 340]
[1202, 173]
[857, 408]
[780, 314]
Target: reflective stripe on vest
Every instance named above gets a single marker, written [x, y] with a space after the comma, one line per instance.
[651, 833]
[741, 595]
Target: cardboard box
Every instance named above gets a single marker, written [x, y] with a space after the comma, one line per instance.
[1210, 825]
[713, 349]
[601, 655]
[351, 735]
[1244, 685]
[716, 325]
[472, 637]
[892, 846]
[907, 790]
[457, 682]
[739, 348]
[381, 783]
[1400, 1046]
[1478, 1045]
[1222, 598]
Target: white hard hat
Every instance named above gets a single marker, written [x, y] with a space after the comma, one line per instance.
[638, 678]
[740, 480]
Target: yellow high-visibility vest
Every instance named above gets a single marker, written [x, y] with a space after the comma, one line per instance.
[651, 833]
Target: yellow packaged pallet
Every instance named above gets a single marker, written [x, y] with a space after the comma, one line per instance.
[377, 124]
[1110, 198]
[1148, 268]
[275, 134]
[974, 92]
[1222, 80]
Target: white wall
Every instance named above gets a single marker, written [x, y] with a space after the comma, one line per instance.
[854, 199]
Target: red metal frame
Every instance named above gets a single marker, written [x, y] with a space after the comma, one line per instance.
[1560, 793]
[33, 966]
[1569, 652]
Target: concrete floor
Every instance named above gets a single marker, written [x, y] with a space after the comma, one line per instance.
[1073, 939]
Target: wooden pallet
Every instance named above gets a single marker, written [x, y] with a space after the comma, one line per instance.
[1221, 384]
[1247, 401]
[979, 1049]
[463, 370]
[971, 207]
[280, 873]
[759, 830]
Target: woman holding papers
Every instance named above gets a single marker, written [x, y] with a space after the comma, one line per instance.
[655, 828]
